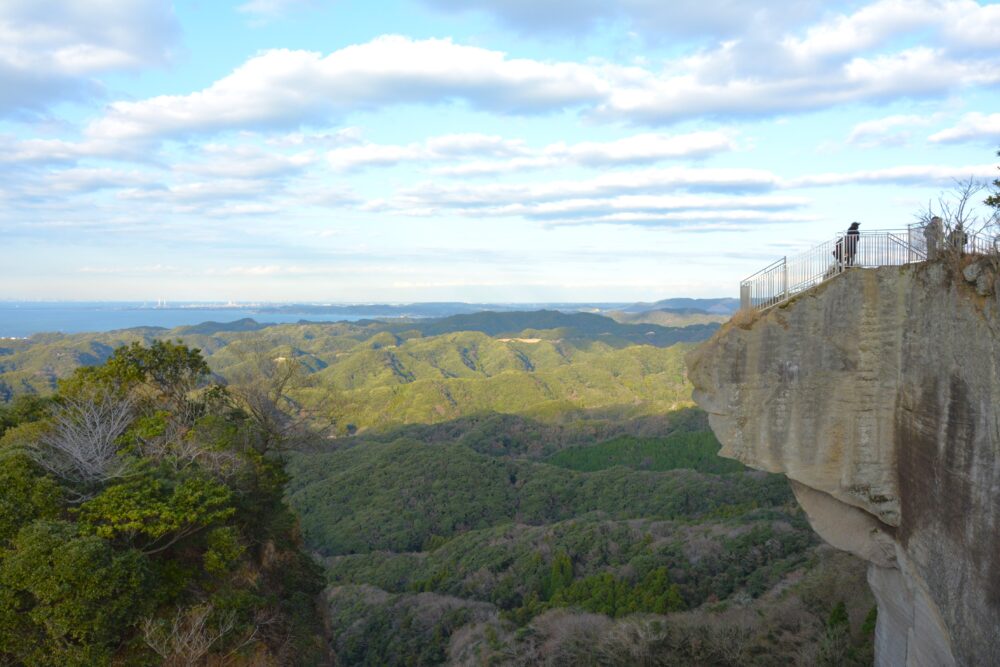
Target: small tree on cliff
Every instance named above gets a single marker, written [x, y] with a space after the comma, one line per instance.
[994, 199]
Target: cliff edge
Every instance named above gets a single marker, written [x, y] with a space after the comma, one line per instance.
[878, 395]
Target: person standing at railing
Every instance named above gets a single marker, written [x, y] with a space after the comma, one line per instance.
[851, 243]
[957, 238]
[934, 235]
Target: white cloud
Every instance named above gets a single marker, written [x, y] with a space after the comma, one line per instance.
[663, 180]
[285, 88]
[826, 68]
[447, 147]
[50, 49]
[886, 131]
[644, 148]
[52, 151]
[654, 196]
[457, 145]
[977, 127]
[915, 72]
[870, 27]
[87, 180]
[967, 25]
[903, 175]
[636, 149]
[651, 196]
[245, 161]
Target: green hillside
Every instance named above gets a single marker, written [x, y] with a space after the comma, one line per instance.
[697, 451]
[375, 374]
[396, 496]
[431, 534]
[501, 488]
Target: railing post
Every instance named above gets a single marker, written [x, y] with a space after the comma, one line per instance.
[744, 296]
[784, 277]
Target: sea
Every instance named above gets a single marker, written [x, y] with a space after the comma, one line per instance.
[21, 319]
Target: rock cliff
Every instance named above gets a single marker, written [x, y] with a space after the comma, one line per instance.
[878, 395]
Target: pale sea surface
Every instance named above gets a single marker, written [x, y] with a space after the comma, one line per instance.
[20, 319]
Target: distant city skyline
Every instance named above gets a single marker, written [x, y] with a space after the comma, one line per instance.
[478, 151]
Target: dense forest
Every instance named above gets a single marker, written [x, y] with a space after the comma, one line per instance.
[498, 488]
[142, 523]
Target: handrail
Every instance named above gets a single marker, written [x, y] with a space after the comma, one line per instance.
[786, 277]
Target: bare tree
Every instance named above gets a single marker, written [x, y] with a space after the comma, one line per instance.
[190, 636]
[262, 386]
[81, 446]
[963, 220]
[187, 637]
[180, 447]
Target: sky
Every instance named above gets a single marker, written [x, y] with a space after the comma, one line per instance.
[471, 150]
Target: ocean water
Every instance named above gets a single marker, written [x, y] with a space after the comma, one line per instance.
[21, 319]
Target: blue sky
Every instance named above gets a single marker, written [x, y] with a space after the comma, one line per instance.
[476, 150]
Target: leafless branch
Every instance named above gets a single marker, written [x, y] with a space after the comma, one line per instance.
[262, 387]
[187, 637]
[81, 445]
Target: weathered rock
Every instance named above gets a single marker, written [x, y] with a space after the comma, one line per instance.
[878, 394]
[972, 272]
[984, 283]
[980, 273]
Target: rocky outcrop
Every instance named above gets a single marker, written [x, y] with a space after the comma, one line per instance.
[878, 395]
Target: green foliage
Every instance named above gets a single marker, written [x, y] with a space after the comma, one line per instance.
[502, 469]
[560, 574]
[148, 510]
[838, 616]
[606, 594]
[170, 368]
[394, 495]
[871, 618]
[137, 551]
[223, 550]
[25, 408]
[25, 495]
[696, 451]
[994, 198]
[66, 597]
[376, 375]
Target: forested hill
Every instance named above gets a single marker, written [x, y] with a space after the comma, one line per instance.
[36, 364]
[557, 323]
[501, 488]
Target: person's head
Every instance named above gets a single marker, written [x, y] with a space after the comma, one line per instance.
[855, 225]
[936, 220]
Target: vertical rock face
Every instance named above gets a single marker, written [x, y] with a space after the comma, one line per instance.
[878, 395]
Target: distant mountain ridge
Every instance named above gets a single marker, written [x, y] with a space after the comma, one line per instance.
[34, 365]
[721, 306]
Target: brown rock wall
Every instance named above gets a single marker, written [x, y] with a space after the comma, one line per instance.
[879, 392]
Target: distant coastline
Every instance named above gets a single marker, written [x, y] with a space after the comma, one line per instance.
[22, 319]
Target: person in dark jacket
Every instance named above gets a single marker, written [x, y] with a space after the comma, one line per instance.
[957, 238]
[851, 243]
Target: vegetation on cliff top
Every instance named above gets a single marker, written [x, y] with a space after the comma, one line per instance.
[143, 523]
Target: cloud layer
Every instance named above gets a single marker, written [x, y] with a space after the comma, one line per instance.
[865, 57]
[51, 49]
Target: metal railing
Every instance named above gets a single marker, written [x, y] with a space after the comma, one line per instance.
[982, 242]
[791, 275]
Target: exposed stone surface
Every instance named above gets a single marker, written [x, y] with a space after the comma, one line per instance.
[878, 394]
